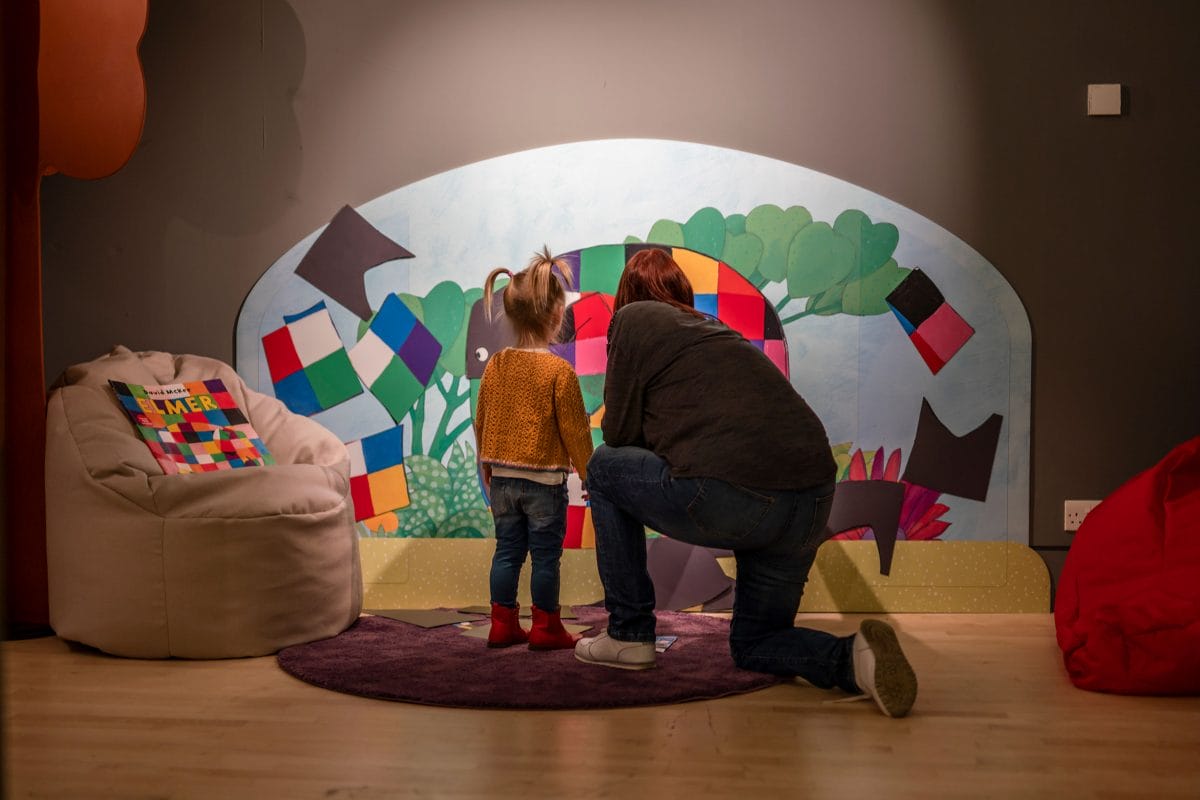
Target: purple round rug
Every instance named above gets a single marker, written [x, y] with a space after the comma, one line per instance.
[390, 660]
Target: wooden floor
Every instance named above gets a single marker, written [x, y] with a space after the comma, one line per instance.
[996, 717]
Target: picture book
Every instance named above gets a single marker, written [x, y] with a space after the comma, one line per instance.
[192, 427]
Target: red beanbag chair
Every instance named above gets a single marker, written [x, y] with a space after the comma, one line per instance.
[1128, 605]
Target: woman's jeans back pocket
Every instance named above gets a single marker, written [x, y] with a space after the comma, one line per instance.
[725, 512]
[818, 530]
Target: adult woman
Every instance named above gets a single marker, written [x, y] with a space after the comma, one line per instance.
[706, 441]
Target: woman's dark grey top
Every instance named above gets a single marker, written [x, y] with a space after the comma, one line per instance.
[708, 402]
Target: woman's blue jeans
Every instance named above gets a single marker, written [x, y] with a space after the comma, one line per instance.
[774, 536]
[531, 518]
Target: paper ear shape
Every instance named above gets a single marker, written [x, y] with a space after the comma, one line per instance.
[342, 254]
[958, 465]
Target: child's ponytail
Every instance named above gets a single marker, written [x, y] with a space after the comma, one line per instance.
[546, 290]
[488, 286]
[532, 296]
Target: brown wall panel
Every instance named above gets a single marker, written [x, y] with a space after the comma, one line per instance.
[264, 118]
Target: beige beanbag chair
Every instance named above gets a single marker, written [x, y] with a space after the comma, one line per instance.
[238, 562]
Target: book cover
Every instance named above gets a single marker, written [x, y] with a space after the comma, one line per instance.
[192, 427]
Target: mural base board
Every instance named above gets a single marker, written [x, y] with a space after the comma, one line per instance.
[927, 577]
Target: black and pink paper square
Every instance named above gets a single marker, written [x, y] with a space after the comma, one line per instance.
[932, 324]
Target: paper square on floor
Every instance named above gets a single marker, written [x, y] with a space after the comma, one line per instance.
[423, 617]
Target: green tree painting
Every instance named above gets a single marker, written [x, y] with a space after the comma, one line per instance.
[844, 268]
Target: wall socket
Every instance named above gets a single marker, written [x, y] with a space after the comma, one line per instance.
[1074, 511]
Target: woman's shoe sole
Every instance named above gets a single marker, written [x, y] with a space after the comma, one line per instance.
[616, 664]
[895, 682]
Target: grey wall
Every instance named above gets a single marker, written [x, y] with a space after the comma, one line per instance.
[265, 117]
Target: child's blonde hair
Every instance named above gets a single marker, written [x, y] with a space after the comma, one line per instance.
[532, 297]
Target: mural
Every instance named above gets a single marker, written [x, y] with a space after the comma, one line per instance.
[910, 347]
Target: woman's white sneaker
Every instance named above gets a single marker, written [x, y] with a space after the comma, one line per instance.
[609, 652]
[881, 670]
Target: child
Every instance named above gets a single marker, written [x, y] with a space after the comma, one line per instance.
[531, 428]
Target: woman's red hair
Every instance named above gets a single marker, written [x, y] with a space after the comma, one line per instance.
[653, 275]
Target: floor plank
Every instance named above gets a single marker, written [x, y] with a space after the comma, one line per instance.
[996, 717]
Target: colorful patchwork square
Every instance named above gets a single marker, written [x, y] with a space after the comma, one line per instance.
[370, 357]
[914, 300]
[633, 248]
[420, 353]
[297, 393]
[572, 261]
[565, 351]
[600, 268]
[592, 388]
[776, 350]
[377, 479]
[936, 330]
[394, 322]
[581, 533]
[700, 269]
[941, 336]
[591, 356]
[397, 389]
[742, 312]
[706, 304]
[309, 367]
[772, 327]
[594, 423]
[396, 357]
[730, 281]
[589, 317]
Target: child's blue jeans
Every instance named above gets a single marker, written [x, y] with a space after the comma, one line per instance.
[531, 518]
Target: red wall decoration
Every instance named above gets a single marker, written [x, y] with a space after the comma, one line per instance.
[75, 103]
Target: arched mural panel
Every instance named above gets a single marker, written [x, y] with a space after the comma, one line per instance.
[913, 350]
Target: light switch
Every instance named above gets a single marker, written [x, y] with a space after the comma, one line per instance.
[1104, 99]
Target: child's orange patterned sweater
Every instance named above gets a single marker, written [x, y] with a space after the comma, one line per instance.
[530, 414]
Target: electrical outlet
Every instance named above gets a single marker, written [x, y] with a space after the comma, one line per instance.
[1074, 511]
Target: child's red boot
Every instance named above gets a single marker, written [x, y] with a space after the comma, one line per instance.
[506, 627]
[548, 632]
